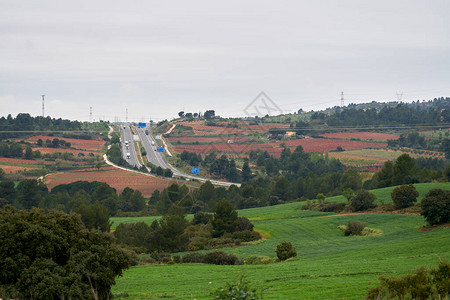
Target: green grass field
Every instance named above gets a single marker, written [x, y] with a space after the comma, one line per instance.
[328, 266]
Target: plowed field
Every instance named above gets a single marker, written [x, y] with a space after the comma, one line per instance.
[118, 179]
[309, 145]
[366, 135]
[93, 145]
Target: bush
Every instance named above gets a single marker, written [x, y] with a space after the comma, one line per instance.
[221, 258]
[238, 290]
[404, 196]
[363, 200]
[354, 228]
[202, 218]
[421, 284]
[177, 259]
[244, 224]
[192, 258]
[161, 257]
[436, 206]
[285, 250]
[246, 236]
[332, 206]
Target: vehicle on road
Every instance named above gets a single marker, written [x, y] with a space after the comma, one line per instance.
[128, 155]
[153, 143]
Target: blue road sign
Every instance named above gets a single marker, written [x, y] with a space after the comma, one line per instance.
[195, 170]
[160, 149]
[142, 124]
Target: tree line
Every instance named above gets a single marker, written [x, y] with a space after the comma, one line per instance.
[402, 114]
[25, 122]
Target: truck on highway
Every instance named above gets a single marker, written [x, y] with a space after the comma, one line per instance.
[128, 155]
[153, 143]
[146, 131]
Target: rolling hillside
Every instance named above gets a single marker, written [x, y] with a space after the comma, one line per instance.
[328, 266]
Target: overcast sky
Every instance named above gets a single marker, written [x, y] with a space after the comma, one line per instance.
[156, 58]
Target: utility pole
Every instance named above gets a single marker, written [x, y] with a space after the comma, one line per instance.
[90, 114]
[43, 106]
[342, 99]
[126, 115]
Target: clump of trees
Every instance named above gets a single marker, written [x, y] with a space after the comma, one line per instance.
[173, 233]
[423, 283]
[53, 256]
[221, 167]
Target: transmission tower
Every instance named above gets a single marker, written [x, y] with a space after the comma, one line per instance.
[90, 114]
[126, 115]
[43, 106]
[399, 96]
[342, 99]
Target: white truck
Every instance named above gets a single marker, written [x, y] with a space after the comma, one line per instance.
[153, 143]
[128, 155]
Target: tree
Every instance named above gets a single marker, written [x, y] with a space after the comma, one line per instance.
[28, 153]
[363, 200]
[225, 218]
[95, 216]
[54, 256]
[209, 114]
[98, 165]
[436, 206]
[285, 250]
[246, 172]
[181, 114]
[348, 194]
[404, 196]
[321, 197]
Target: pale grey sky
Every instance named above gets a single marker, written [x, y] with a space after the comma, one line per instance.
[159, 57]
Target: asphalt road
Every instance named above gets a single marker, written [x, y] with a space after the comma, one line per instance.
[127, 135]
[158, 159]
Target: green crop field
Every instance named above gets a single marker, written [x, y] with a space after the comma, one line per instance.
[328, 266]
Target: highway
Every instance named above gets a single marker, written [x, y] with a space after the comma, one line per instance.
[127, 135]
[158, 159]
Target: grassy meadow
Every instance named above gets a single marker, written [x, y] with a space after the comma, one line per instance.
[328, 265]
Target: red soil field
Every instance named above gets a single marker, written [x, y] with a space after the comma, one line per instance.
[20, 161]
[75, 152]
[206, 139]
[201, 129]
[14, 169]
[93, 145]
[366, 135]
[309, 145]
[118, 179]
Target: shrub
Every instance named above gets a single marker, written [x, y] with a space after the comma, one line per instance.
[421, 284]
[285, 250]
[202, 218]
[363, 200]
[436, 206]
[246, 236]
[161, 256]
[177, 259]
[238, 290]
[192, 258]
[332, 206]
[354, 228]
[244, 224]
[404, 196]
[221, 258]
